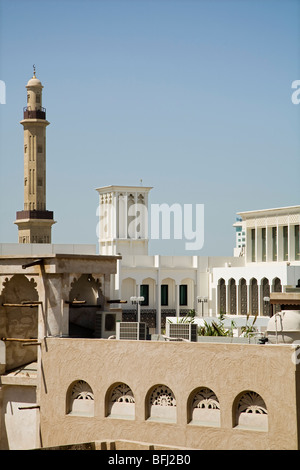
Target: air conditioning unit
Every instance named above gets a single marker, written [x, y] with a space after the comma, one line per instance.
[131, 330]
[185, 331]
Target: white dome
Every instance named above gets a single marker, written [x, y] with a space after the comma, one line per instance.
[285, 326]
[34, 82]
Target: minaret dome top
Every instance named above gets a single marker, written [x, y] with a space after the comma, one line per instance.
[34, 82]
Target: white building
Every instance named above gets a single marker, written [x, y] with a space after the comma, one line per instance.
[267, 260]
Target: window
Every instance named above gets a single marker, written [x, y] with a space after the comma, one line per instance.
[274, 243]
[263, 244]
[110, 322]
[253, 244]
[40, 149]
[38, 98]
[144, 292]
[285, 243]
[297, 250]
[183, 294]
[164, 294]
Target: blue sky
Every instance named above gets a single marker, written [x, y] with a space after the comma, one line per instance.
[191, 96]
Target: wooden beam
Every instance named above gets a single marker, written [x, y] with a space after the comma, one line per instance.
[30, 407]
[33, 263]
[20, 340]
[29, 304]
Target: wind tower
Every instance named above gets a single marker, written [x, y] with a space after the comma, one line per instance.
[34, 222]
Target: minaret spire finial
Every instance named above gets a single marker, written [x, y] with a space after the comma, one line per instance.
[34, 71]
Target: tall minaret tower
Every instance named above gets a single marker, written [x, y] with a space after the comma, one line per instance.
[34, 222]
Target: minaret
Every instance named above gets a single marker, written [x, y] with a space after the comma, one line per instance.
[34, 222]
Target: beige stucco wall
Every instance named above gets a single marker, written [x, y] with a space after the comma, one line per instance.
[19, 422]
[228, 369]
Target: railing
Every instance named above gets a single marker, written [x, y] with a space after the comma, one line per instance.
[34, 215]
[34, 114]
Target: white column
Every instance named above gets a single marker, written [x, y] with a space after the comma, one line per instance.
[227, 297]
[259, 299]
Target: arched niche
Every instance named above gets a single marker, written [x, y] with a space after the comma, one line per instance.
[80, 399]
[204, 407]
[120, 402]
[19, 321]
[84, 297]
[250, 411]
[161, 404]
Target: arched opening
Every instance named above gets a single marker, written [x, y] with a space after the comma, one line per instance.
[120, 402]
[276, 287]
[253, 297]
[85, 296]
[80, 399]
[232, 297]
[222, 296]
[265, 290]
[18, 320]
[161, 404]
[204, 408]
[250, 411]
[243, 307]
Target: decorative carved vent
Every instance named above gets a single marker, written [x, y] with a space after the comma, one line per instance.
[81, 399]
[121, 402]
[252, 411]
[122, 394]
[205, 408]
[162, 396]
[205, 398]
[82, 391]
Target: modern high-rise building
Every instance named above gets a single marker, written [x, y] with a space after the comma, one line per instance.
[34, 221]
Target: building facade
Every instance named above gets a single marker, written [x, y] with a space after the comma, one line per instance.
[266, 260]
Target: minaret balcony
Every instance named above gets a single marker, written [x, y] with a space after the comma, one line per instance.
[34, 214]
[34, 114]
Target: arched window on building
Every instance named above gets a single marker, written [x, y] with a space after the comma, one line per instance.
[243, 307]
[162, 404]
[251, 411]
[80, 399]
[222, 296]
[276, 287]
[253, 297]
[120, 402]
[204, 408]
[232, 297]
[265, 286]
